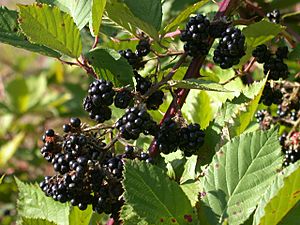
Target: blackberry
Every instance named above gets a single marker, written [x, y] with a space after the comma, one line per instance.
[291, 156]
[99, 113]
[274, 16]
[101, 92]
[261, 53]
[142, 84]
[294, 115]
[168, 136]
[155, 100]
[75, 122]
[191, 139]
[143, 48]
[123, 99]
[134, 122]
[231, 48]
[50, 133]
[196, 35]
[282, 52]
[282, 138]
[276, 69]
[260, 115]
[271, 95]
[281, 112]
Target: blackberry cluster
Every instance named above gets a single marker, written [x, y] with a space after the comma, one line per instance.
[291, 149]
[274, 16]
[142, 86]
[135, 58]
[171, 136]
[168, 136]
[191, 139]
[260, 115]
[134, 122]
[273, 64]
[231, 48]
[261, 53]
[271, 96]
[196, 35]
[100, 96]
[216, 28]
[123, 99]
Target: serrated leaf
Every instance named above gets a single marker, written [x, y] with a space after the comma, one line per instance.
[183, 15]
[31, 221]
[8, 150]
[109, 64]
[79, 217]
[51, 27]
[98, 7]
[192, 190]
[130, 217]
[259, 33]
[198, 108]
[245, 165]
[80, 10]
[293, 216]
[154, 197]
[197, 84]
[189, 172]
[279, 198]
[10, 34]
[149, 11]
[120, 14]
[33, 203]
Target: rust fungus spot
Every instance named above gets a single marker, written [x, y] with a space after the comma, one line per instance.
[39, 5]
[62, 24]
[234, 213]
[188, 218]
[296, 193]
[217, 165]
[203, 194]
[220, 153]
[173, 220]
[274, 211]
[161, 220]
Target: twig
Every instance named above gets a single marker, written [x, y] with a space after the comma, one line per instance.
[95, 42]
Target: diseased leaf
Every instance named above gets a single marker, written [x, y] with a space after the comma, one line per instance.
[109, 65]
[245, 165]
[130, 217]
[279, 198]
[51, 27]
[33, 203]
[154, 197]
[197, 84]
[183, 15]
[10, 34]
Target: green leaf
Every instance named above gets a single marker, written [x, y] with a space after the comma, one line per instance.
[109, 64]
[279, 198]
[192, 189]
[183, 15]
[18, 95]
[198, 108]
[80, 10]
[120, 14]
[293, 216]
[79, 217]
[244, 166]
[153, 196]
[98, 7]
[189, 172]
[31, 221]
[33, 203]
[197, 84]
[295, 54]
[51, 27]
[10, 34]
[149, 11]
[1, 178]
[259, 33]
[130, 217]
[9, 149]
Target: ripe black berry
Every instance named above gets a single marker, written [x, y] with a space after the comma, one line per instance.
[134, 122]
[101, 92]
[143, 48]
[75, 122]
[50, 133]
[142, 84]
[123, 99]
[260, 115]
[191, 139]
[155, 100]
[274, 16]
[168, 136]
[216, 28]
[261, 53]
[67, 128]
[231, 48]
[282, 52]
[271, 95]
[99, 113]
[196, 35]
[276, 69]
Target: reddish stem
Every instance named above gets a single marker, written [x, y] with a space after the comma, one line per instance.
[110, 222]
[192, 72]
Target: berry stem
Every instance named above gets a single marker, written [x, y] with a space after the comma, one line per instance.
[225, 8]
[96, 41]
[296, 125]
